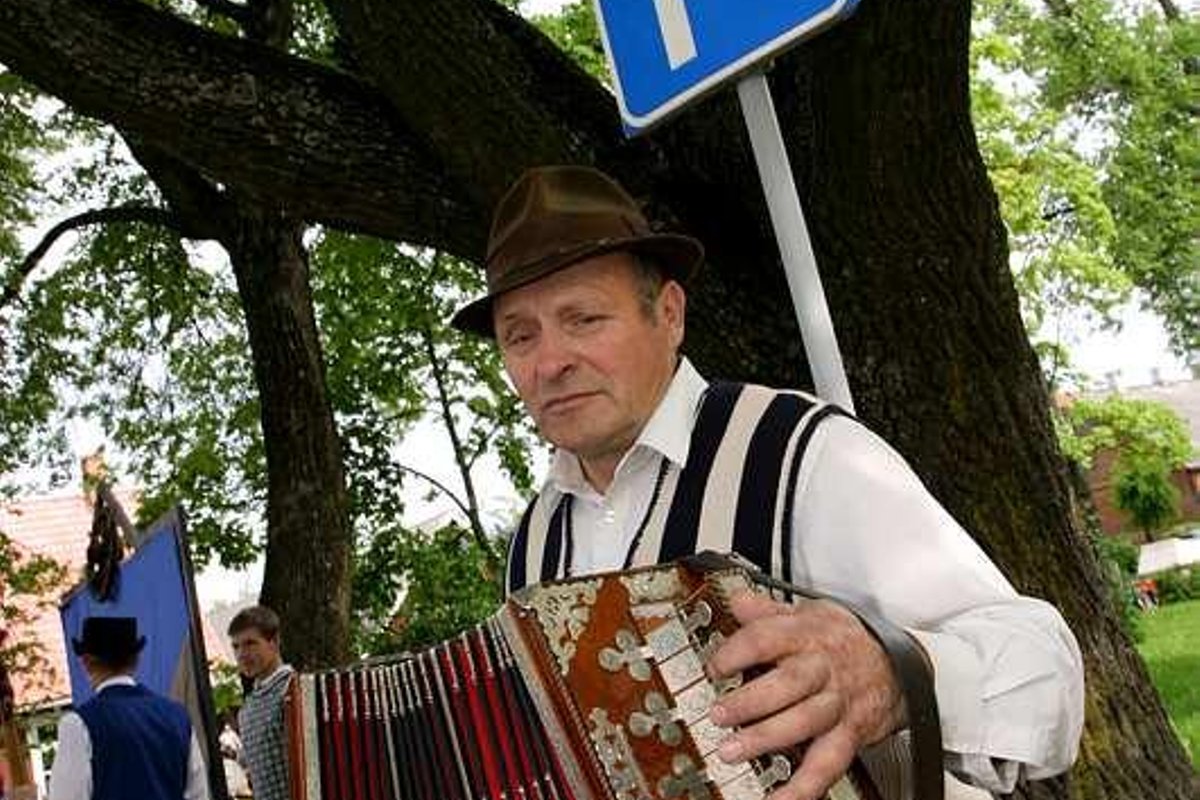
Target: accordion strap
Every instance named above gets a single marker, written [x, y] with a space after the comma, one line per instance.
[908, 660]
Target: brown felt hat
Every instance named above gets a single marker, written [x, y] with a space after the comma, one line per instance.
[553, 217]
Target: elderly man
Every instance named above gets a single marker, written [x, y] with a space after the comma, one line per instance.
[126, 741]
[652, 462]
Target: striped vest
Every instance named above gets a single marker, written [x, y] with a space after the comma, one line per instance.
[734, 494]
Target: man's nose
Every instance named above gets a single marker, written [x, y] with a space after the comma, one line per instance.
[555, 357]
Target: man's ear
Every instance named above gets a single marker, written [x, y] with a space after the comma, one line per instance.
[89, 663]
[672, 309]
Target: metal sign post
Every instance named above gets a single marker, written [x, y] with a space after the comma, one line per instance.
[666, 53]
[795, 247]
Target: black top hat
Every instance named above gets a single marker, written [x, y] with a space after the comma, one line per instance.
[111, 639]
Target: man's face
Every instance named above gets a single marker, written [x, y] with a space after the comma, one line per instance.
[588, 358]
[257, 656]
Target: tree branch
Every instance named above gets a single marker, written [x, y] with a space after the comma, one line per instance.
[482, 447]
[386, 155]
[394, 157]
[243, 114]
[145, 214]
[1056, 213]
[441, 487]
[518, 100]
[460, 458]
[1170, 10]
[199, 205]
[224, 8]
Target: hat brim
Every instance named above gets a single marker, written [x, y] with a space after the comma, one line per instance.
[81, 648]
[680, 256]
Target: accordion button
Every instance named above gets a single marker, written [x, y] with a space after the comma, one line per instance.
[681, 670]
[745, 787]
[723, 774]
[707, 736]
[666, 640]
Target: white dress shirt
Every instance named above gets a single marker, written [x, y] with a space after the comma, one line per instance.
[1007, 670]
[71, 775]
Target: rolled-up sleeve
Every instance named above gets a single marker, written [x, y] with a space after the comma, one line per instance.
[1008, 694]
[197, 775]
[1008, 673]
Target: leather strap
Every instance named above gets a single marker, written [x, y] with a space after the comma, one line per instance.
[908, 660]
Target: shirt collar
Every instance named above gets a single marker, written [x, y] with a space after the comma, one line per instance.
[115, 680]
[667, 433]
[282, 669]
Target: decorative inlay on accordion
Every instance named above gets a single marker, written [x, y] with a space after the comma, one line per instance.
[586, 689]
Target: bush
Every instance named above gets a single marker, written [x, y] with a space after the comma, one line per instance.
[1178, 585]
[1120, 552]
[1118, 562]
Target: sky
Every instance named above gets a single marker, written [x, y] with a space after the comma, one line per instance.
[1134, 354]
[541, 6]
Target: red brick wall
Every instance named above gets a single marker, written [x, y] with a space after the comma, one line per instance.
[1112, 519]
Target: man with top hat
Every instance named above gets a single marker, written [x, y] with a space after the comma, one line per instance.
[652, 462]
[126, 741]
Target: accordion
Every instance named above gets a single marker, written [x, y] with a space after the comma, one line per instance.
[590, 688]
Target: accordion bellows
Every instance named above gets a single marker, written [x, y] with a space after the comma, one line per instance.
[591, 688]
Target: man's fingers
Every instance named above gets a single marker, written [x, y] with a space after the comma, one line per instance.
[788, 682]
[797, 723]
[749, 606]
[825, 761]
[762, 640]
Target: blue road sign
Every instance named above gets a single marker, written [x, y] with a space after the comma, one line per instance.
[664, 53]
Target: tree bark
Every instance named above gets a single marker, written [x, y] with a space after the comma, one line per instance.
[906, 229]
[306, 579]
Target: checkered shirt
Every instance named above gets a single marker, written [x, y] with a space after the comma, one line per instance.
[263, 746]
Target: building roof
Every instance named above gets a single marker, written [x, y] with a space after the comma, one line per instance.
[56, 526]
[1182, 397]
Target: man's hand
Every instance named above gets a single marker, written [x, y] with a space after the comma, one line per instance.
[828, 682]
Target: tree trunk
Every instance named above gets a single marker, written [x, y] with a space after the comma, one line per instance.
[307, 573]
[914, 257]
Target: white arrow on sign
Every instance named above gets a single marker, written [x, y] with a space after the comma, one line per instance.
[676, 31]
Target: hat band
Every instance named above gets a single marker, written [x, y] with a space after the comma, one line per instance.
[554, 236]
[512, 276]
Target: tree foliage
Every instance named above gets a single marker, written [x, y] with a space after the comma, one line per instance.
[1119, 562]
[29, 584]
[1149, 441]
[142, 334]
[1137, 430]
[420, 588]
[28, 581]
[1147, 496]
[573, 28]
[393, 362]
[1086, 115]
[172, 385]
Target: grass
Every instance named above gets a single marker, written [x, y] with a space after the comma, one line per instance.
[1171, 649]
